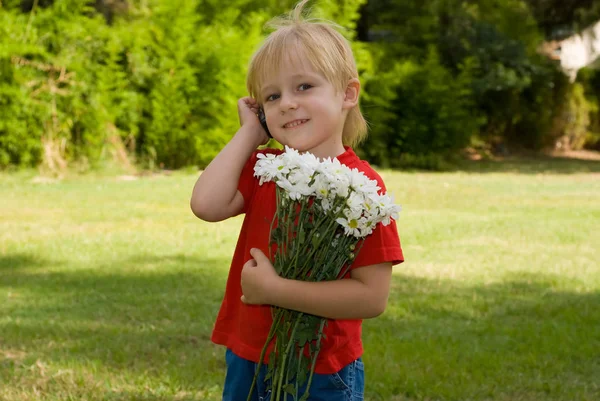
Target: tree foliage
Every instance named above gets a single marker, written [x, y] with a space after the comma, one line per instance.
[487, 83]
[156, 82]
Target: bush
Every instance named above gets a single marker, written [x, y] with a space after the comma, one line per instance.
[590, 79]
[159, 84]
[418, 109]
[20, 122]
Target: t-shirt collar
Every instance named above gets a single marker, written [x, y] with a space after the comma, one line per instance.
[348, 157]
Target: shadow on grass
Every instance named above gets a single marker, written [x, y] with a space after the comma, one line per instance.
[515, 340]
[530, 164]
[19, 261]
[439, 340]
[151, 322]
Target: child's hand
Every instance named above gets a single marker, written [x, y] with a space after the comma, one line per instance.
[248, 114]
[258, 279]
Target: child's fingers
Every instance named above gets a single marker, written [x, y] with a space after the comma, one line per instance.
[258, 255]
[247, 105]
[244, 102]
[249, 101]
[249, 263]
[254, 107]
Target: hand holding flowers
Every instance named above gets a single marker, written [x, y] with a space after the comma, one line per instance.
[258, 279]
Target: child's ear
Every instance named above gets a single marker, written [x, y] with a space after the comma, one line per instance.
[351, 93]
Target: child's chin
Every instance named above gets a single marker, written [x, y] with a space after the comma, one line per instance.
[298, 146]
[293, 144]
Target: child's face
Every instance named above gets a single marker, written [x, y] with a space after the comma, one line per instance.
[304, 110]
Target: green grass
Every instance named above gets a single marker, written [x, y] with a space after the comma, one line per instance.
[109, 288]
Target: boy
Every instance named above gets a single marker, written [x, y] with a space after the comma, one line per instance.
[305, 80]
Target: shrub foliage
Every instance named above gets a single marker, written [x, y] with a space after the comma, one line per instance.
[156, 82]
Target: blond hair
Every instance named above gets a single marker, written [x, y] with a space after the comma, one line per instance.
[326, 50]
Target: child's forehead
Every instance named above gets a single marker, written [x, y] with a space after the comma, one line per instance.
[289, 73]
[292, 66]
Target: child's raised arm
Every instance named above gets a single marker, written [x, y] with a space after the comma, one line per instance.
[215, 196]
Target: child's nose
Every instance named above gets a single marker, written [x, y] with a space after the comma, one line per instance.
[288, 102]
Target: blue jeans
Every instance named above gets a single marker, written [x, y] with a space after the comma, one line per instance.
[346, 385]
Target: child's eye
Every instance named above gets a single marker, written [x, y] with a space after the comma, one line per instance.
[272, 97]
[304, 87]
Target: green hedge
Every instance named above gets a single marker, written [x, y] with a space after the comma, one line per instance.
[156, 83]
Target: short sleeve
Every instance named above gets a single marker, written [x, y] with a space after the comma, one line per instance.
[247, 183]
[383, 245]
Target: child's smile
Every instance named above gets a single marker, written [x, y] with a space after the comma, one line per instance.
[295, 123]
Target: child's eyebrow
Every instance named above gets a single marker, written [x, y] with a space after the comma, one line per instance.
[306, 75]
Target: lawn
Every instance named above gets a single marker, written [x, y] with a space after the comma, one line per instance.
[109, 287]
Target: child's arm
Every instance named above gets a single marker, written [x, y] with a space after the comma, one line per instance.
[364, 295]
[215, 196]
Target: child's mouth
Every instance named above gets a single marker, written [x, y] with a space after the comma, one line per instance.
[295, 123]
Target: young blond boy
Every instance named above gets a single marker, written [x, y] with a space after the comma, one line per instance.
[304, 77]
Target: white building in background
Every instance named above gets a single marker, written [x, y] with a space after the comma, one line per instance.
[577, 51]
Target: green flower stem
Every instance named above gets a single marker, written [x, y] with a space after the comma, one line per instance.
[285, 356]
[298, 247]
[288, 370]
[278, 200]
[297, 384]
[274, 326]
[314, 358]
[316, 248]
[289, 227]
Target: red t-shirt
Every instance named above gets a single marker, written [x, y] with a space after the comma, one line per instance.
[244, 328]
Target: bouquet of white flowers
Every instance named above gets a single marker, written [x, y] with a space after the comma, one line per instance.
[324, 212]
